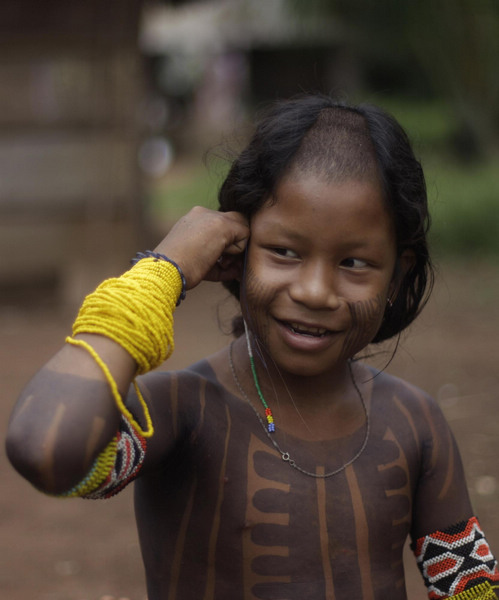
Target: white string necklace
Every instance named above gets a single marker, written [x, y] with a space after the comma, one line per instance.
[269, 428]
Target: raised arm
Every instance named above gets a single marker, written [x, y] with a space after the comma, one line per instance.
[69, 413]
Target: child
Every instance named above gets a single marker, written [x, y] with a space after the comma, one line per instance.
[280, 467]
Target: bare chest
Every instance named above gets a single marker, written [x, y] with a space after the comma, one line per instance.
[234, 509]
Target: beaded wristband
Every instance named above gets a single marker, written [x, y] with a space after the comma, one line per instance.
[158, 256]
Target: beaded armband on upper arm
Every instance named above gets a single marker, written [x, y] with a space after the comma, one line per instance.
[115, 467]
[457, 563]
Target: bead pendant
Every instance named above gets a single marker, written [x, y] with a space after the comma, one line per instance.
[270, 420]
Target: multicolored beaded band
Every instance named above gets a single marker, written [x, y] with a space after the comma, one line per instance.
[116, 466]
[456, 562]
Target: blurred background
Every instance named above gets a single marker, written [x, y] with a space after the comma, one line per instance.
[116, 117]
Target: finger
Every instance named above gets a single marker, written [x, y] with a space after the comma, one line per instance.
[241, 232]
[226, 261]
[237, 247]
[227, 268]
[236, 216]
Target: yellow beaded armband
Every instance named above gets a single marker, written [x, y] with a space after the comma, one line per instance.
[483, 591]
[136, 311]
[102, 466]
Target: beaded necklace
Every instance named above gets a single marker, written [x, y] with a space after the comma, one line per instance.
[269, 428]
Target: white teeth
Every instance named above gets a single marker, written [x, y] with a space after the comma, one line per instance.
[297, 328]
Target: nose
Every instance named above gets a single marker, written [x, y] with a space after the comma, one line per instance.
[314, 287]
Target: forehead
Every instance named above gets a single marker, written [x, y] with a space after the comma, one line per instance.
[314, 206]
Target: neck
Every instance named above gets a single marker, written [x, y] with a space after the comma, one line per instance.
[325, 406]
[311, 391]
[298, 404]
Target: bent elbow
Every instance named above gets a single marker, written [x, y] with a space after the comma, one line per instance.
[22, 456]
[38, 466]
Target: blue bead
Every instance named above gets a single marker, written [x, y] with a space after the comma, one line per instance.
[271, 427]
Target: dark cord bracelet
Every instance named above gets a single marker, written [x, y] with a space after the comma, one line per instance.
[158, 256]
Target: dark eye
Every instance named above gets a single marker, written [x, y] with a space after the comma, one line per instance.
[286, 252]
[354, 263]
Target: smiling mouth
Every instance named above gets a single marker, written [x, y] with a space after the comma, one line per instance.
[308, 331]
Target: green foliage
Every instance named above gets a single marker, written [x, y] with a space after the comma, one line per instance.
[185, 187]
[463, 197]
[429, 124]
[464, 206]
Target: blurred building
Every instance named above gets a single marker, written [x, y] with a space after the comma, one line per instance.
[70, 84]
[214, 59]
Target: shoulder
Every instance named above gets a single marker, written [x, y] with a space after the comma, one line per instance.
[178, 401]
[161, 388]
[390, 385]
[404, 412]
[397, 395]
[158, 386]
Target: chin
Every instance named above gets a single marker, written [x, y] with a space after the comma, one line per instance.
[304, 367]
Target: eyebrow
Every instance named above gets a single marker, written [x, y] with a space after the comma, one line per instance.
[275, 224]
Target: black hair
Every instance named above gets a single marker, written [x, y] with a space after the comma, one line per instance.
[346, 142]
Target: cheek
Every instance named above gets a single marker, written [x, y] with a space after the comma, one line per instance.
[257, 291]
[366, 317]
[259, 280]
[256, 295]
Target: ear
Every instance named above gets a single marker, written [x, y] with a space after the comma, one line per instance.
[405, 262]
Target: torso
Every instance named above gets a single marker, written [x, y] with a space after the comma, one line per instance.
[227, 519]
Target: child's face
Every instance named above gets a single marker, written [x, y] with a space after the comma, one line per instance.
[320, 267]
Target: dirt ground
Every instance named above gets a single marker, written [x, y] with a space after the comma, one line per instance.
[53, 549]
